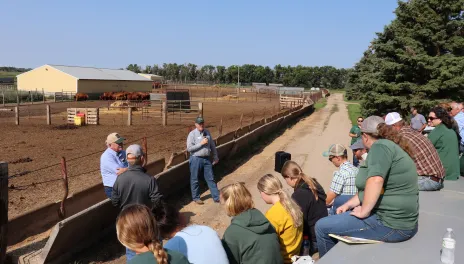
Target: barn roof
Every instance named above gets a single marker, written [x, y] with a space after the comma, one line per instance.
[91, 73]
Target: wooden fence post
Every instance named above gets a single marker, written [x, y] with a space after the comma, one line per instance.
[241, 120]
[17, 115]
[17, 97]
[49, 115]
[3, 210]
[200, 108]
[164, 113]
[129, 116]
[145, 151]
[64, 172]
[43, 95]
[220, 128]
[253, 116]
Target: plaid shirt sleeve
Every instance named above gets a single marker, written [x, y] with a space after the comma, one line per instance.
[338, 181]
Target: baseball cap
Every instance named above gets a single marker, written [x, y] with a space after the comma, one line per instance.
[199, 120]
[335, 150]
[357, 145]
[114, 138]
[135, 150]
[369, 125]
[392, 118]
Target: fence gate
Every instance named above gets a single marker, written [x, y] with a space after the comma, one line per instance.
[91, 115]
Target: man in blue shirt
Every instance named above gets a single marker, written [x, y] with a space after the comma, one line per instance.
[112, 162]
[200, 145]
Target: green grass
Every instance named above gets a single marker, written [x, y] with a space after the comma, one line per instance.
[354, 111]
[8, 74]
[320, 104]
[342, 91]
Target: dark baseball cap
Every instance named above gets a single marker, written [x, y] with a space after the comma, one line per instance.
[199, 120]
[357, 145]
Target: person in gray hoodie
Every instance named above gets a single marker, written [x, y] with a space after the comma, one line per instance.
[250, 238]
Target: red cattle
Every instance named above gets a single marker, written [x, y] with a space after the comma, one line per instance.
[81, 97]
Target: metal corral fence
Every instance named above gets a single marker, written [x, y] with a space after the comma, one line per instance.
[229, 94]
[18, 97]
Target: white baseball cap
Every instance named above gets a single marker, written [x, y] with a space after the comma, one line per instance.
[392, 118]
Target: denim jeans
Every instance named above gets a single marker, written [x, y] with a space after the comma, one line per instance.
[426, 184]
[348, 225]
[355, 160]
[198, 164]
[108, 191]
[129, 254]
[339, 201]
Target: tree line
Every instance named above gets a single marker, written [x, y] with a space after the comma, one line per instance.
[294, 76]
[418, 60]
[14, 69]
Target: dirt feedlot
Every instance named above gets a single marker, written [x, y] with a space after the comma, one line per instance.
[34, 149]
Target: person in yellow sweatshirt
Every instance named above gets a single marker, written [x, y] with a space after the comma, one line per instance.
[285, 215]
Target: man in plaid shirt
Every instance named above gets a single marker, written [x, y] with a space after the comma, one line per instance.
[429, 167]
[343, 185]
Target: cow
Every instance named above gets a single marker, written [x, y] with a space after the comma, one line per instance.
[81, 97]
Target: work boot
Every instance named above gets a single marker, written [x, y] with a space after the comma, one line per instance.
[199, 202]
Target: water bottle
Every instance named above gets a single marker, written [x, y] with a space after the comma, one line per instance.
[305, 246]
[448, 246]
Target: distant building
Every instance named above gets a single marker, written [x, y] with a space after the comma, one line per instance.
[153, 77]
[89, 80]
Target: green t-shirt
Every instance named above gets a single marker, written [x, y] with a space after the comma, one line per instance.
[174, 257]
[445, 141]
[355, 130]
[398, 204]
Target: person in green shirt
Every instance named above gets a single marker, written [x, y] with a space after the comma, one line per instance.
[445, 140]
[250, 238]
[137, 230]
[355, 134]
[386, 207]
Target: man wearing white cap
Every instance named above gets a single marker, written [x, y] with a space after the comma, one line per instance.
[112, 162]
[343, 185]
[428, 164]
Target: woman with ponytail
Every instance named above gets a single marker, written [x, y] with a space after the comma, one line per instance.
[309, 195]
[285, 215]
[137, 230]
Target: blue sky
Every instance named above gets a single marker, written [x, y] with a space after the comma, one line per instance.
[116, 33]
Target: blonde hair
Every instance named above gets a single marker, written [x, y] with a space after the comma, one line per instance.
[236, 198]
[270, 185]
[136, 227]
[292, 170]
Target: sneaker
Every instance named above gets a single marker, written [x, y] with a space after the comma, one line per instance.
[217, 202]
[199, 202]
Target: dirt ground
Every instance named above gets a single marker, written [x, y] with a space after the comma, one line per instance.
[33, 149]
[306, 141]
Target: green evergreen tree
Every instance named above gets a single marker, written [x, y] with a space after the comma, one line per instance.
[416, 61]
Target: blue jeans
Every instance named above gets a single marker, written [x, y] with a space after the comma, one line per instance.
[426, 184]
[355, 160]
[129, 254]
[198, 164]
[339, 201]
[108, 191]
[348, 225]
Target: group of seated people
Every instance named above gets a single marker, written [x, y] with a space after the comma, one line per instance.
[378, 200]
[252, 237]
